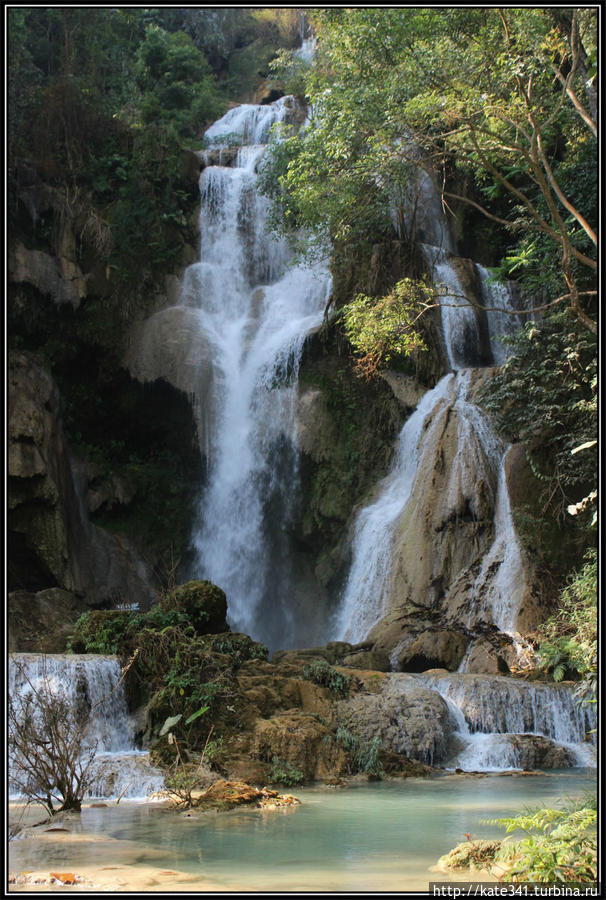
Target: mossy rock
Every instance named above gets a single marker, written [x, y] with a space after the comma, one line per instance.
[239, 648]
[99, 631]
[471, 855]
[203, 602]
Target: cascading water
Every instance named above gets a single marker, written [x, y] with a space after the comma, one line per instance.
[501, 581]
[499, 722]
[91, 686]
[491, 716]
[255, 309]
[369, 581]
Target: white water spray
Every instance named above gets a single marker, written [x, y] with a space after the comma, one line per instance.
[91, 686]
[255, 309]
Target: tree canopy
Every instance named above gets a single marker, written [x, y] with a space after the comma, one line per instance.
[502, 101]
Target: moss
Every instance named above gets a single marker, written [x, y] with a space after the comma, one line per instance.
[202, 602]
[471, 854]
[320, 672]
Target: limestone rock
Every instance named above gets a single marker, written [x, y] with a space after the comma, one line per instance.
[317, 430]
[52, 542]
[228, 794]
[41, 622]
[59, 277]
[406, 389]
[301, 741]
[408, 717]
[171, 345]
[536, 752]
[375, 660]
[431, 649]
[204, 603]
[484, 659]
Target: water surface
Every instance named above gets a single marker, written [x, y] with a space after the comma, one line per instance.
[370, 837]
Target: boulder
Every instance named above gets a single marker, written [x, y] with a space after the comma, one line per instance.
[300, 741]
[536, 752]
[41, 622]
[203, 602]
[407, 716]
[228, 794]
[430, 649]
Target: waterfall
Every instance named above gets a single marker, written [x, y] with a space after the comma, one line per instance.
[91, 685]
[500, 582]
[499, 300]
[491, 714]
[369, 581]
[396, 515]
[254, 308]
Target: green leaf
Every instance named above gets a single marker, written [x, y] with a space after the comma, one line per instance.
[196, 715]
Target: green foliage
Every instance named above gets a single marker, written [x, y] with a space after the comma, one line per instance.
[201, 603]
[239, 647]
[181, 785]
[283, 773]
[363, 756]
[176, 81]
[381, 329]
[560, 845]
[546, 396]
[320, 672]
[568, 639]
[471, 91]
[291, 72]
[113, 631]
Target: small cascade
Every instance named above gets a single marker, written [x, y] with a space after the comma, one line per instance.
[91, 685]
[249, 123]
[497, 720]
[254, 309]
[459, 319]
[367, 589]
[499, 301]
[389, 538]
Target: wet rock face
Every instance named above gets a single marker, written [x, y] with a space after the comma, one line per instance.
[169, 345]
[346, 430]
[408, 717]
[41, 622]
[52, 543]
[536, 752]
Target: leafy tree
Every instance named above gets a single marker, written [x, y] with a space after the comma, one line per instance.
[494, 95]
[176, 81]
[568, 639]
[559, 845]
[380, 330]
[546, 396]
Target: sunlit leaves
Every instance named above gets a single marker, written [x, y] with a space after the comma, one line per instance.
[381, 329]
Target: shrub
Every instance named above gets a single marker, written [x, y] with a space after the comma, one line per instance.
[560, 844]
[51, 758]
[239, 647]
[363, 756]
[283, 773]
[568, 640]
[323, 674]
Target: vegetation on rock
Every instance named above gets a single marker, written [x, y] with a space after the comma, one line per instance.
[320, 672]
[560, 845]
